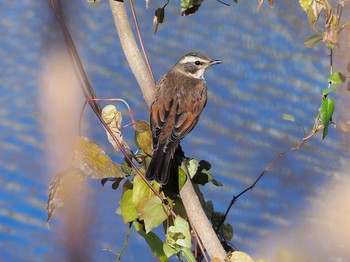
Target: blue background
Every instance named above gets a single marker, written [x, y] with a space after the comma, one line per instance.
[267, 71]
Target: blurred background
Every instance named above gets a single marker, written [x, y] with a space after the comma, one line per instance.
[300, 205]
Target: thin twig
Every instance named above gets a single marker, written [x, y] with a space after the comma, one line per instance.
[222, 2]
[200, 244]
[89, 95]
[298, 146]
[125, 243]
[75, 59]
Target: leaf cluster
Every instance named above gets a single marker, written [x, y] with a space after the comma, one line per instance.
[144, 205]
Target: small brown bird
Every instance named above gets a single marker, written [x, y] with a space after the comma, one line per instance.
[180, 99]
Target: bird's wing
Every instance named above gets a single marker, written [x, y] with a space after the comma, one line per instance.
[159, 116]
[173, 117]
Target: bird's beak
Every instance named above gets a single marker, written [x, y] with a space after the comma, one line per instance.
[215, 62]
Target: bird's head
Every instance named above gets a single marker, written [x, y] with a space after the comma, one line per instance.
[194, 64]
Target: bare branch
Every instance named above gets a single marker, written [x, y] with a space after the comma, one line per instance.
[132, 52]
[200, 221]
[298, 146]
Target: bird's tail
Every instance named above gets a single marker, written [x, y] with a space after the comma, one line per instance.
[160, 166]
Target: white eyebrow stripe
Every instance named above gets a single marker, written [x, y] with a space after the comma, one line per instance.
[191, 59]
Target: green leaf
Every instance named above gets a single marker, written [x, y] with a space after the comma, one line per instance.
[182, 178]
[288, 117]
[186, 4]
[312, 40]
[180, 232]
[204, 177]
[216, 182]
[327, 109]
[227, 231]
[189, 7]
[153, 242]
[204, 164]
[188, 255]
[126, 166]
[127, 208]
[337, 78]
[141, 193]
[93, 161]
[192, 166]
[154, 213]
[170, 250]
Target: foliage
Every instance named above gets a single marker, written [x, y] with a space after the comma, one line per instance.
[329, 33]
[146, 206]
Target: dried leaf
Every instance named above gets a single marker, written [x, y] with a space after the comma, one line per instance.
[158, 18]
[61, 187]
[288, 117]
[259, 5]
[261, 2]
[311, 16]
[312, 40]
[113, 119]
[93, 161]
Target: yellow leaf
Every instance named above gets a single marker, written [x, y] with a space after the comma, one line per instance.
[93, 161]
[143, 137]
[61, 187]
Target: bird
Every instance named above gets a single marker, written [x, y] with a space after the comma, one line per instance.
[181, 95]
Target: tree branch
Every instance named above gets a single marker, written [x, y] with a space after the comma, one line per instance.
[189, 197]
[131, 51]
[199, 219]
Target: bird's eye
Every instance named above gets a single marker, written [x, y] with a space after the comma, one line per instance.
[197, 63]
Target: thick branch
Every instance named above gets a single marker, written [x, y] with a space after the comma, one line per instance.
[200, 221]
[132, 51]
[189, 197]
